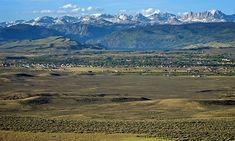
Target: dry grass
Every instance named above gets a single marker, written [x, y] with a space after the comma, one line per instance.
[26, 136]
[184, 104]
[74, 96]
[70, 95]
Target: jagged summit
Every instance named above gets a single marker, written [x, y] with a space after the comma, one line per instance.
[206, 16]
[149, 16]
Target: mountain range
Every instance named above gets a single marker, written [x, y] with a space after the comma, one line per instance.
[144, 31]
[134, 20]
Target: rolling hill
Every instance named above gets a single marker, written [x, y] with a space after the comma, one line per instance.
[48, 45]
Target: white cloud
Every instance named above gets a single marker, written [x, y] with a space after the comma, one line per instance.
[83, 9]
[90, 8]
[46, 11]
[150, 11]
[43, 12]
[69, 6]
[87, 9]
[76, 10]
[70, 9]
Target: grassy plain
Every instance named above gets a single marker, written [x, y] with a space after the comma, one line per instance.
[29, 136]
[174, 107]
[108, 96]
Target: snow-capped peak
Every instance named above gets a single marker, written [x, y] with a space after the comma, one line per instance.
[105, 16]
[150, 11]
[37, 19]
[206, 16]
[43, 21]
[97, 15]
[213, 11]
[146, 16]
[123, 17]
[68, 19]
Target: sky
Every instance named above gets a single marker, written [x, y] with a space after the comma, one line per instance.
[29, 9]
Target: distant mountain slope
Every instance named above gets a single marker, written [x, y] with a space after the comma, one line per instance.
[168, 36]
[83, 32]
[49, 45]
[23, 31]
[126, 37]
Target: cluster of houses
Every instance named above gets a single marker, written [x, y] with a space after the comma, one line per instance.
[38, 65]
[188, 69]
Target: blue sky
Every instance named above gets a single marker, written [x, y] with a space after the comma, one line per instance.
[29, 9]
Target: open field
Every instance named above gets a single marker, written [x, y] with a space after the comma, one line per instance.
[174, 107]
[186, 129]
[29, 136]
[107, 96]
